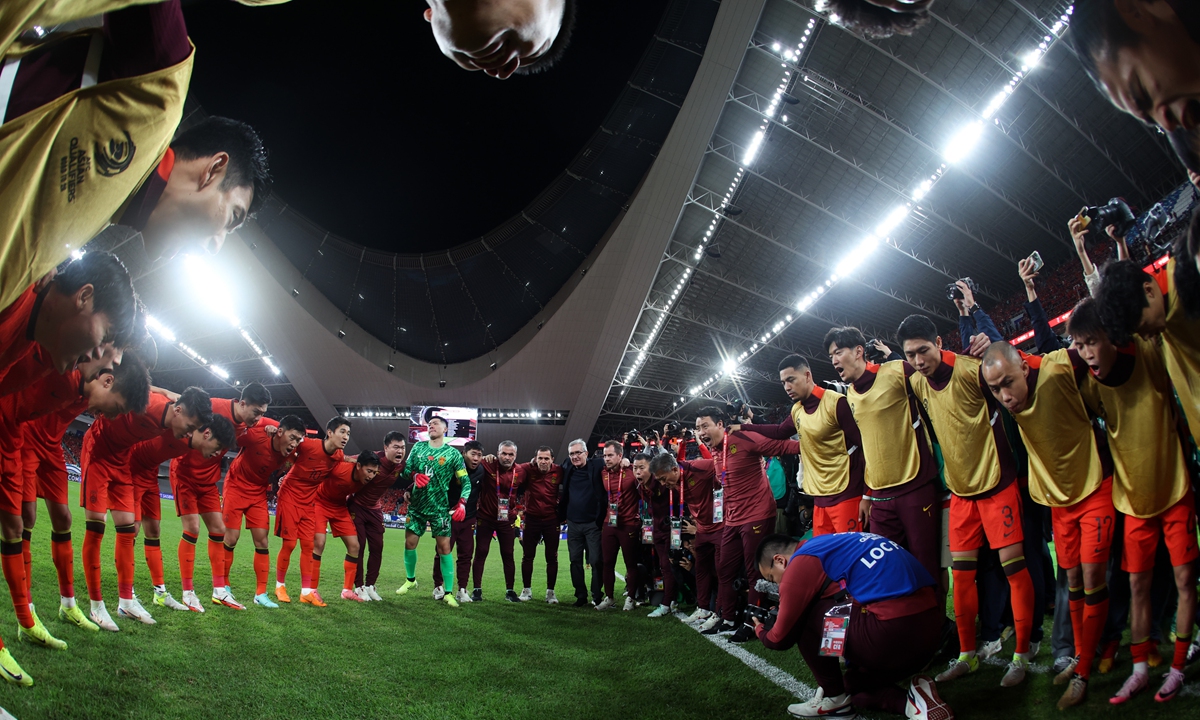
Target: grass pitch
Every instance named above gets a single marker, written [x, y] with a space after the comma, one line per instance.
[412, 657]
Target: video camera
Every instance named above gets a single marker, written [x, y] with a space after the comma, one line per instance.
[1115, 212]
[953, 293]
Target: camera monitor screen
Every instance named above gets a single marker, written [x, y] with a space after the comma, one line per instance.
[461, 423]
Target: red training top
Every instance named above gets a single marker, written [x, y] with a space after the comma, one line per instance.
[740, 470]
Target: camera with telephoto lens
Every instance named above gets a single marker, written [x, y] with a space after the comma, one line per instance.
[674, 429]
[1115, 212]
[736, 410]
[953, 293]
[765, 615]
[872, 353]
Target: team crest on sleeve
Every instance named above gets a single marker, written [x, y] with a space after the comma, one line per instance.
[115, 157]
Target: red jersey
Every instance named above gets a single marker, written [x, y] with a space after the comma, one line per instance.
[310, 466]
[48, 396]
[697, 478]
[499, 483]
[256, 462]
[145, 457]
[16, 336]
[369, 495]
[621, 489]
[197, 471]
[110, 441]
[541, 492]
[741, 471]
[338, 485]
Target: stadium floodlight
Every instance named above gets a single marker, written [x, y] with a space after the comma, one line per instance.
[892, 221]
[211, 285]
[730, 366]
[963, 142]
[752, 150]
[160, 329]
[219, 372]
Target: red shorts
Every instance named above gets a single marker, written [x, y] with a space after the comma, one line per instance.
[195, 499]
[1083, 532]
[998, 516]
[105, 488]
[47, 474]
[336, 516]
[146, 502]
[839, 518]
[12, 482]
[254, 507]
[1176, 525]
[293, 521]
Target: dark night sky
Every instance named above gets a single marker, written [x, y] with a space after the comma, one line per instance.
[376, 136]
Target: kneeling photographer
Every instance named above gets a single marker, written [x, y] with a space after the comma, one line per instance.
[862, 598]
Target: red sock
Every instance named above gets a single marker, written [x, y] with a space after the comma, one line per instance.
[262, 568]
[350, 567]
[316, 571]
[1095, 615]
[187, 561]
[1181, 650]
[92, 540]
[1140, 650]
[966, 605]
[1075, 598]
[14, 573]
[216, 559]
[283, 560]
[63, 552]
[123, 555]
[1021, 585]
[306, 579]
[153, 550]
[27, 556]
[228, 562]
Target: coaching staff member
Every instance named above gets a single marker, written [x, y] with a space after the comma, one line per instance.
[583, 505]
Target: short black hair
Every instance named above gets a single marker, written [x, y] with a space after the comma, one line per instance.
[222, 431]
[137, 334]
[663, 462]
[1187, 276]
[112, 289]
[247, 156]
[393, 436]
[1097, 32]
[131, 380]
[292, 422]
[367, 458]
[794, 361]
[640, 456]
[870, 20]
[438, 417]
[1085, 321]
[545, 448]
[715, 413]
[771, 546]
[557, 48]
[1121, 298]
[336, 422]
[844, 337]
[196, 402]
[256, 394]
[916, 327]
[469, 445]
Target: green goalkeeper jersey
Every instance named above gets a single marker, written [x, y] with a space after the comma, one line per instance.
[441, 465]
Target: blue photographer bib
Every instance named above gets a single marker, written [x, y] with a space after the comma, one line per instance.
[869, 567]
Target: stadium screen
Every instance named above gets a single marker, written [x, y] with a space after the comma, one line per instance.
[461, 423]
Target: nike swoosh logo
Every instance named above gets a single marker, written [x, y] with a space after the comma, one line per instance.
[757, 527]
[926, 508]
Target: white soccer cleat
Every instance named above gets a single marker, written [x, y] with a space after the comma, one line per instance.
[526, 595]
[660, 611]
[824, 707]
[1016, 671]
[162, 598]
[133, 610]
[605, 604]
[439, 592]
[712, 621]
[629, 604]
[222, 596]
[463, 596]
[100, 616]
[924, 703]
[699, 616]
[361, 592]
[370, 590]
[551, 598]
[192, 602]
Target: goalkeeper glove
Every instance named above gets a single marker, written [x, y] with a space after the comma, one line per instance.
[460, 512]
[420, 480]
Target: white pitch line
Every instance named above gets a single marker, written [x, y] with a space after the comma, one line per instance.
[762, 667]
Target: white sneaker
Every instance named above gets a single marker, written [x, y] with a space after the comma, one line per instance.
[361, 592]
[100, 616]
[370, 589]
[463, 596]
[551, 598]
[824, 707]
[991, 649]
[526, 595]
[605, 604]
[660, 611]
[923, 701]
[192, 602]
[699, 616]
[133, 609]
[439, 592]
[1016, 671]
[712, 621]
[629, 604]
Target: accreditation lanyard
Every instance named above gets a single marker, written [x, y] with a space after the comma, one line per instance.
[502, 513]
[613, 504]
[719, 492]
[676, 520]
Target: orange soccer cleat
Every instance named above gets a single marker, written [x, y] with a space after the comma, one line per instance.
[312, 598]
[281, 594]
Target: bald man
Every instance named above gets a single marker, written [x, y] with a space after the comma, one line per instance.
[502, 37]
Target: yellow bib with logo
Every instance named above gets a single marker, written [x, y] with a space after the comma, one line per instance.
[889, 436]
[822, 447]
[1181, 353]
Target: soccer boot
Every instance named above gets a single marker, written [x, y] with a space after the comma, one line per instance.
[312, 597]
[361, 592]
[699, 616]
[448, 598]
[1134, 684]
[76, 617]
[1035, 646]
[281, 594]
[263, 600]
[370, 590]
[133, 610]
[462, 596]
[991, 649]
[727, 627]
[39, 635]
[408, 585]
[1170, 687]
[1075, 693]
[1108, 657]
[1154, 658]
[99, 615]
[11, 671]
[713, 621]
[477, 595]
[660, 611]
[551, 598]
[511, 596]
[1067, 671]
[963, 665]
[924, 703]
[605, 604]
[526, 595]
[1016, 670]
[162, 598]
[192, 602]
[824, 707]
[351, 595]
[222, 596]
[629, 604]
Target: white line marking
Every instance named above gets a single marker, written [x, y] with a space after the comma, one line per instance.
[762, 667]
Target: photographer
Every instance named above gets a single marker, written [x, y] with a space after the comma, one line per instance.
[1079, 231]
[1044, 336]
[682, 443]
[885, 618]
[974, 325]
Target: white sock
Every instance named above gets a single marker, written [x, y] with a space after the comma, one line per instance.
[1141, 667]
[97, 605]
[305, 591]
[67, 602]
[278, 584]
